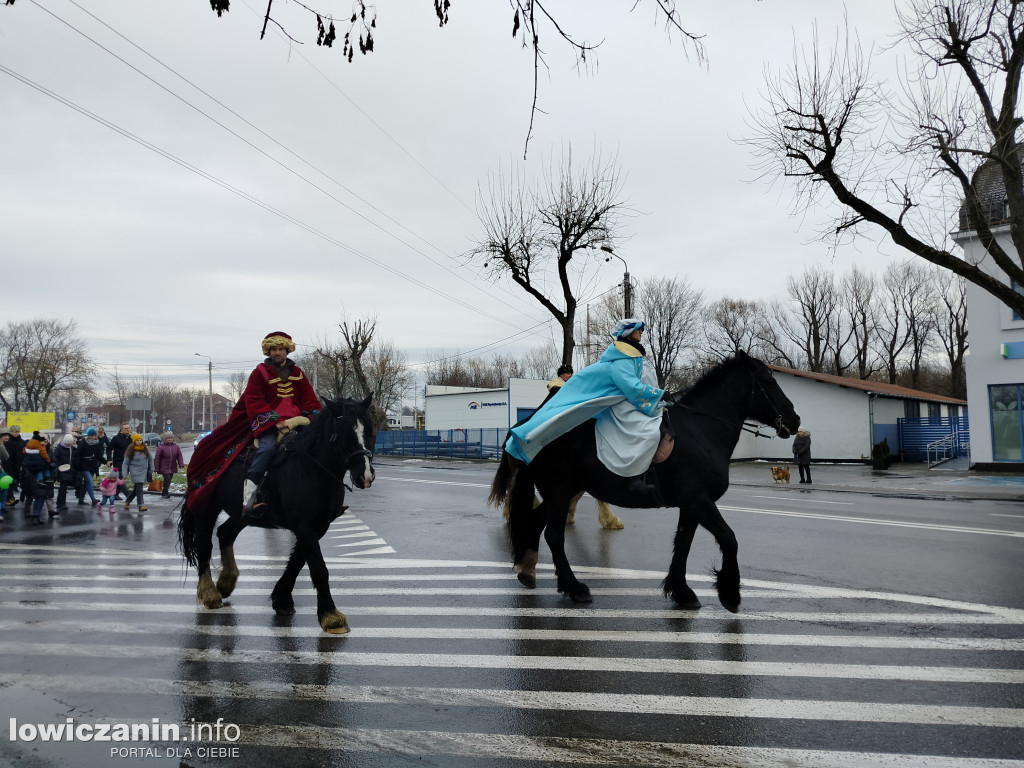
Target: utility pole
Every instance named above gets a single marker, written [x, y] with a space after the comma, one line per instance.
[210, 368]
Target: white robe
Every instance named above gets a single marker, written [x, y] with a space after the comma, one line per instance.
[627, 438]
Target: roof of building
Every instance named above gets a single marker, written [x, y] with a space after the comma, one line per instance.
[876, 387]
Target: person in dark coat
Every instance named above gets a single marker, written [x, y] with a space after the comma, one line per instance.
[802, 454]
[64, 455]
[119, 443]
[89, 456]
[16, 450]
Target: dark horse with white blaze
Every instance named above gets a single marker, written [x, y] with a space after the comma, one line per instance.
[707, 420]
[305, 490]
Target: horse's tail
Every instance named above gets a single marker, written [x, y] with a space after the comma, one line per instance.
[503, 481]
[187, 535]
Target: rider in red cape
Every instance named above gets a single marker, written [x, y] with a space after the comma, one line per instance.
[277, 391]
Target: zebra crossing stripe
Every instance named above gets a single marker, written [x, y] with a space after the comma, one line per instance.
[957, 675]
[870, 521]
[640, 704]
[809, 617]
[552, 635]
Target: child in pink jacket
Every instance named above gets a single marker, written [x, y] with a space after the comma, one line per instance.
[108, 487]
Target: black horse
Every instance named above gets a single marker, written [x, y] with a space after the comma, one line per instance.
[305, 490]
[707, 421]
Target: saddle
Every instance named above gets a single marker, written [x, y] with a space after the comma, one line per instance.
[668, 440]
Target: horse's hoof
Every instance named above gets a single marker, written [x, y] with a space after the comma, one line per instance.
[335, 623]
[579, 593]
[615, 524]
[528, 580]
[226, 584]
[212, 603]
[283, 607]
[732, 606]
[684, 598]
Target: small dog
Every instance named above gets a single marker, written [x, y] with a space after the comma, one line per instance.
[780, 474]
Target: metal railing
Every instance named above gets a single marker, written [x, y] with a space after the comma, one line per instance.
[943, 450]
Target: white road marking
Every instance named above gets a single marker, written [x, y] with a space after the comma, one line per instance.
[806, 501]
[359, 535]
[814, 618]
[639, 704]
[997, 514]
[538, 635]
[586, 664]
[434, 482]
[869, 521]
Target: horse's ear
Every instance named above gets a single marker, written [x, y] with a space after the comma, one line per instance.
[365, 405]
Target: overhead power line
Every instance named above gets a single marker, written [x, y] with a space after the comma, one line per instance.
[250, 198]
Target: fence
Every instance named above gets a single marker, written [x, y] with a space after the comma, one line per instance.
[442, 443]
[917, 434]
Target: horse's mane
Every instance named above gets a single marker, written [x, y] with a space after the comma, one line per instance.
[315, 433]
[713, 377]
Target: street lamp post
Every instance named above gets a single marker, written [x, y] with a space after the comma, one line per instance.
[210, 369]
[627, 289]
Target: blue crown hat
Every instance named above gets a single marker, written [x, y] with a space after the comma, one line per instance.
[625, 327]
[91, 432]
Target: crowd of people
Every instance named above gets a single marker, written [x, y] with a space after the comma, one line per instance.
[39, 475]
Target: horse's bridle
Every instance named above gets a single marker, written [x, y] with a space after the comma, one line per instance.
[359, 454]
[746, 426]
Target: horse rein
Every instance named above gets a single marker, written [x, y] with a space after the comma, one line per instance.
[361, 453]
[745, 426]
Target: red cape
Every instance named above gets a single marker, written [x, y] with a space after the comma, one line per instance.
[251, 416]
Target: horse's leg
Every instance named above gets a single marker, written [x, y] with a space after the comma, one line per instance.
[281, 596]
[525, 525]
[607, 518]
[206, 590]
[331, 619]
[727, 578]
[226, 535]
[675, 585]
[555, 511]
[570, 519]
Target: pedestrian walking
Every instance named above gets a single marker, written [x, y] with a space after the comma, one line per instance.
[37, 475]
[119, 443]
[109, 486]
[64, 458]
[16, 449]
[89, 455]
[168, 461]
[138, 467]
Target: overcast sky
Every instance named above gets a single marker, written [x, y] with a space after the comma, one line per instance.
[363, 196]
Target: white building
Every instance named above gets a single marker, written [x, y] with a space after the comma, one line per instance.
[995, 363]
[472, 408]
[846, 417]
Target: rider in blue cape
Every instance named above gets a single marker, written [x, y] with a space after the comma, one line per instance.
[620, 392]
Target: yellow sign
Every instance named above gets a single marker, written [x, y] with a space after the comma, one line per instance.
[30, 421]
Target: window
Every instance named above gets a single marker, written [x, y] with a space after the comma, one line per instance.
[911, 409]
[1019, 289]
[934, 410]
[1007, 427]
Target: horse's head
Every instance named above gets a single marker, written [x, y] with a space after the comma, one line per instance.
[352, 427]
[768, 403]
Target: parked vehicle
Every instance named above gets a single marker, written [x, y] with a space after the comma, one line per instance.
[199, 437]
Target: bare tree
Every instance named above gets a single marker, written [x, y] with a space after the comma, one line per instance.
[901, 329]
[733, 325]
[902, 165]
[40, 358]
[236, 383]
[950, 323]
[387, 375]
[811, 320]
[671, 309]
[541, 238]
[857, 302]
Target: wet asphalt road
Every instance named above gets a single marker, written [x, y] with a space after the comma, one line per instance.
[874, 631]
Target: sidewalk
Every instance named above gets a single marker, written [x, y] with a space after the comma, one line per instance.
[913, 480]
